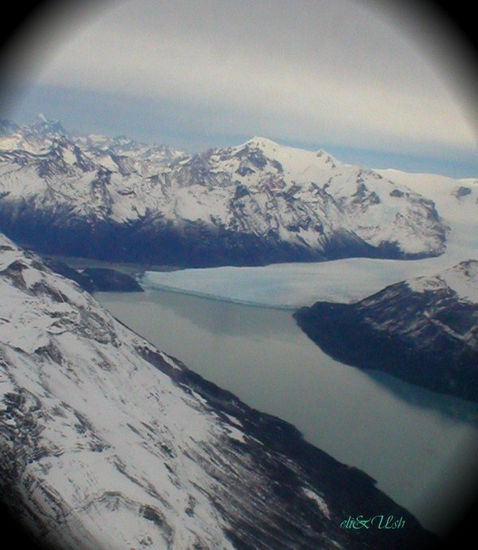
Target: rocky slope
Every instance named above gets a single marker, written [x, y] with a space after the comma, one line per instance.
[108, 443]
[424, 330]
[96, 279]
[252, 204]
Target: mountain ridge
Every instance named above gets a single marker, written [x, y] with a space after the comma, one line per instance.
[251, 204]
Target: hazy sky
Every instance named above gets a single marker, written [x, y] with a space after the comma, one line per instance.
[369, 85]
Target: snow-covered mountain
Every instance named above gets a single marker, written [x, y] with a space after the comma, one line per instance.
[119, 153]
[108, 443]
[348, 279]
[424, 330]
[252, 204]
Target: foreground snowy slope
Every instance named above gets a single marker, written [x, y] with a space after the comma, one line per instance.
[252, 204]
[108, 443]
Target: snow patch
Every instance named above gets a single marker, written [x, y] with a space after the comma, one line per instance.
[462, 279]
[319, 501]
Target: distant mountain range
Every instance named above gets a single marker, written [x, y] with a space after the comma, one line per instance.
[423, 330]
[252, 204]
[108, 443]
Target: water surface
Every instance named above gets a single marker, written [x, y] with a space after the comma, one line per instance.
[419, 446]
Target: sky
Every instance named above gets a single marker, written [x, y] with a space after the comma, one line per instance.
[384, 84]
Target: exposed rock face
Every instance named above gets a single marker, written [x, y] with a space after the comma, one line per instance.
[96, 279]
[108, 443]
[105, 279]
[253, 204]
[424, 330]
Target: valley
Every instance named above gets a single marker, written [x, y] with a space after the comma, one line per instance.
[220, 249]
[375, 422]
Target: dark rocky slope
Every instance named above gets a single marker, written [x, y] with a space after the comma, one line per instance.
[424, 331]
[96, 279]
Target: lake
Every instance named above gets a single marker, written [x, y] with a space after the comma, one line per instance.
[419, 446]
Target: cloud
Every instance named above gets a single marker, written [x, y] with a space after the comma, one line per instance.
[309, 70]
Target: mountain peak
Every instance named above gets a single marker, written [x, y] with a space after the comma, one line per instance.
[271, 148]
[264, 144]
[262, 141]
[46, 127]
[326, 157]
